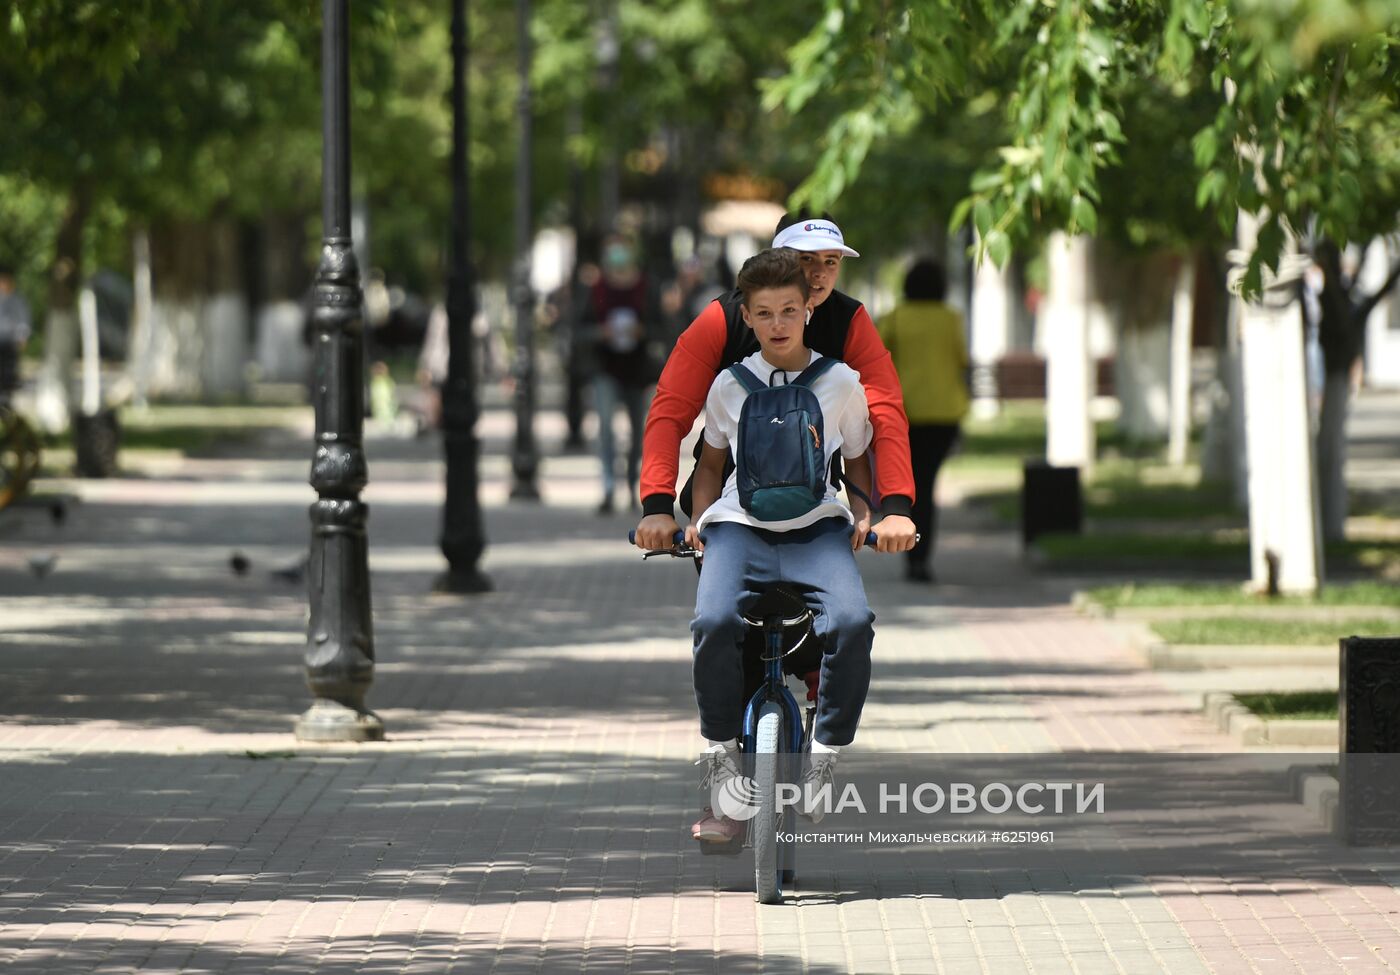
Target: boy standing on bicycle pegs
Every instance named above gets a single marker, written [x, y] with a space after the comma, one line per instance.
[763, 525]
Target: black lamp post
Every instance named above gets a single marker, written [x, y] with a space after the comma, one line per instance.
[340, 637]
[525, 460]
[462, 538]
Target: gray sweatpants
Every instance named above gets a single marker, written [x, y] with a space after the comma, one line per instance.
[817, 561]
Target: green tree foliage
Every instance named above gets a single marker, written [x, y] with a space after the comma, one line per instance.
[168, 110]
[1290, 109]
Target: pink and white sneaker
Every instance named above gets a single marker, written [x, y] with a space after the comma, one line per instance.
[710, 828]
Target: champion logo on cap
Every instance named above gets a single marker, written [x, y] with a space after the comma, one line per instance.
[814, 235]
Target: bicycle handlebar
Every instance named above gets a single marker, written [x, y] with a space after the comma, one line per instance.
[678, 538]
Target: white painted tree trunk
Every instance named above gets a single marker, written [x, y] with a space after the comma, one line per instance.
[1284, 542]
[51, 394]
[1183, 306]
[1383, 327]
[1142, 378]
[1069, 372]
[177, 347]
[282, 357]
[225, 346]
[990, 322]
[1222, 444]
[138, 359]
[1332, 454]
[91, 401]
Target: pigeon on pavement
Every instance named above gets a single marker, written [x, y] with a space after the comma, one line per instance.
[42, 565]
[295, 572]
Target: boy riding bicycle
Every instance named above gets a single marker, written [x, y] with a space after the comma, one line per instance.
[747, 549]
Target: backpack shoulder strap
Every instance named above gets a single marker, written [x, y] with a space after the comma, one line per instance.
[814, 372]
[745, 378]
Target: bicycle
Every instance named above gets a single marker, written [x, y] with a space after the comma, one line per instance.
[777, 732]
[19, 455]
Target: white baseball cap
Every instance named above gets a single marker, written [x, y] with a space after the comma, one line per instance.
[813, 235]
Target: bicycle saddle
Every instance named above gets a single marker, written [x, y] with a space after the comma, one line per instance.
[780, 602]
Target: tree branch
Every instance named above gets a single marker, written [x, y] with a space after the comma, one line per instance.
[1364, 309]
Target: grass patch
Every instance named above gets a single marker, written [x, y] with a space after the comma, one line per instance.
[1379, 555]
[1223, 547]
[1236, 631]
[1150, 492]
[1205, 594]
[184, 439]
[191, 428]
[1294, 705]
[1126, 490]
[1219, 548]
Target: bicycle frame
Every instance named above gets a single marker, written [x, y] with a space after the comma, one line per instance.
[773, 688]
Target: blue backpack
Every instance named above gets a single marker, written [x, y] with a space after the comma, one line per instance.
[780, 467]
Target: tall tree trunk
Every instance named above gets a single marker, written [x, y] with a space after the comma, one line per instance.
[1137, 289]
[224, 325]
[138, 363]
[179, 266]
[1340, 337]
[1223, 441]
[1332, 454]
[283, 346]
[61, 325]
[1183, 308]
[1069, 379]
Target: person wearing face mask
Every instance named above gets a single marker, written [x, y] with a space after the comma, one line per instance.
[839, 327]
[620, 320]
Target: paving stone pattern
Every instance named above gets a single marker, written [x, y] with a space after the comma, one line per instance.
[530, 811]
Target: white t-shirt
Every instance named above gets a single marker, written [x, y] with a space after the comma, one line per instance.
[845, 422]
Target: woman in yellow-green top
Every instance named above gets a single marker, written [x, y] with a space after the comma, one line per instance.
[925, 338]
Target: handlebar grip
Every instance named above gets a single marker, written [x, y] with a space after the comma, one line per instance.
[677, 538]
[871, 538]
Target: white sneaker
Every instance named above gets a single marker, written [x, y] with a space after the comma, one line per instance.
[819, 776]
[721, 765]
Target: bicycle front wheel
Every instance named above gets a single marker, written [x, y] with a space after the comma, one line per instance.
[767, 750]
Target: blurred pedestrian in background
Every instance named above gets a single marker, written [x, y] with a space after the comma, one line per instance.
[686, 296]
[568, 311]
[925, 338]
[14, 331]
[621, 322]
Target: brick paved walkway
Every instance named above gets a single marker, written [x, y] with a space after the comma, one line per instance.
[528, 812]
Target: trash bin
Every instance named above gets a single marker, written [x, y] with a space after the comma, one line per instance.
[96, 439]
[1050, 500]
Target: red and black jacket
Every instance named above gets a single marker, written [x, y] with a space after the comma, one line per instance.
[718, 338]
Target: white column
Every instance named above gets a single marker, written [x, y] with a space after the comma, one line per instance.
[1179, 420]
[1069, 372]
[1284, 530]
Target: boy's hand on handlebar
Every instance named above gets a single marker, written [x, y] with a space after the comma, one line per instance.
[692, 538]
[862, 529]
[656, 532]
[895, 533]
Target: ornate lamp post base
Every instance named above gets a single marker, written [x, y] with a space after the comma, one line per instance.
[329, 720]
[466, 582]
